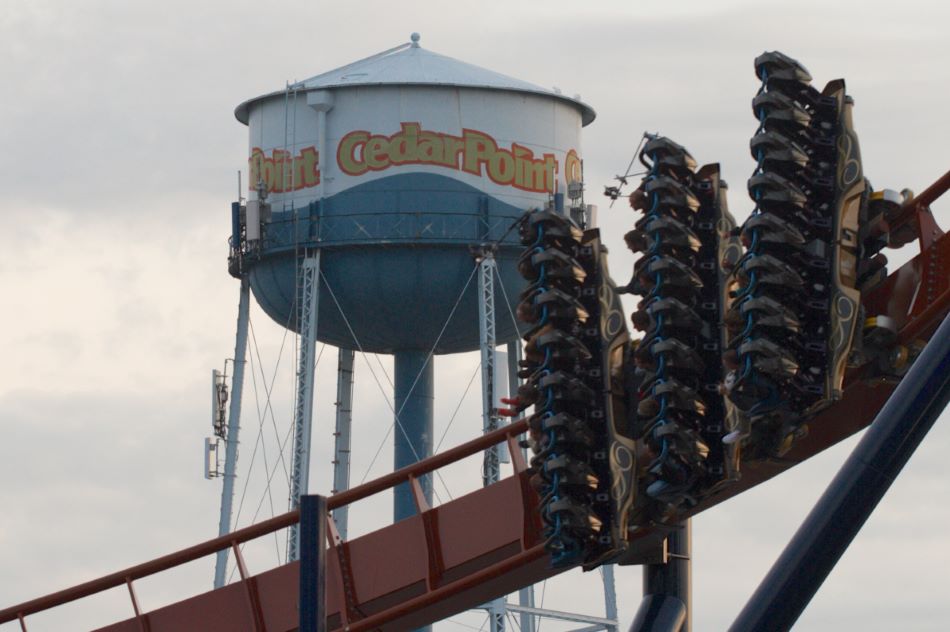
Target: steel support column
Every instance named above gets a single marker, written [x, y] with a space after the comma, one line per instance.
[308, 302]
[234, 426]
[313, 564]
[491, 420]
[819, 543]
[610, 596]
[344, 420]
[486, 328]
[667, 588]
[414, 386]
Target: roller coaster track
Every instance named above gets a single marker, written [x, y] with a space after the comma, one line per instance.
[488, 543]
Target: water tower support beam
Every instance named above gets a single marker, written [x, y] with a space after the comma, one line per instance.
[491, 420]
[344, 420]
[308, 295]
[610, 596]
[234, 425]
[414, 396]
[486, 326]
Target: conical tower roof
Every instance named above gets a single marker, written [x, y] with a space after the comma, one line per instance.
[410, 64]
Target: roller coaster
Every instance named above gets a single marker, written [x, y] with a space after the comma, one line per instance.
[762, 345]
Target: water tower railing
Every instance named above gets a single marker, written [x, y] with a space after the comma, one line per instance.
[287, 230]
[234, 540]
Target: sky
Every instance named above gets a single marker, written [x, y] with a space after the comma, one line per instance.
[118, 170]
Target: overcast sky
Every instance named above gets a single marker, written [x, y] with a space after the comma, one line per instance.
[118, 168]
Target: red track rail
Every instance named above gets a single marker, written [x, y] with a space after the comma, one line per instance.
[450, 567]
[485, 544]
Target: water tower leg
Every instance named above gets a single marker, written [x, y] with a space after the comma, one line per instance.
[309, 293]
[414, 388]
[610, 596]
[414, 385]
[491, 468]
[344, 420]
[486, 326]
[526, 598]
[234, 425]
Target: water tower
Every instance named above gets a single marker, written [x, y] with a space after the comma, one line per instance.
[380, 201]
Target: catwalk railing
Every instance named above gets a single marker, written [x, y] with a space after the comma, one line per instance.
[448, 568]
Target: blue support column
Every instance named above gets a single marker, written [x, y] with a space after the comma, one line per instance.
[667, 587]
[234, 425]
[414, 386]
[414, 394]
[877, 460]
[313, 564]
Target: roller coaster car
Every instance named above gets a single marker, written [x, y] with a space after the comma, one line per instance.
[794, 318]
[688, 245]
[851, 195]
[584, 463]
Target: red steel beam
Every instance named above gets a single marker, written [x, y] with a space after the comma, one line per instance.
[921, 202]
[916, 211]
[265, 527]
[421, 602]
[148, 568]
[425, 466]
[931, 193]
[482, 543]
